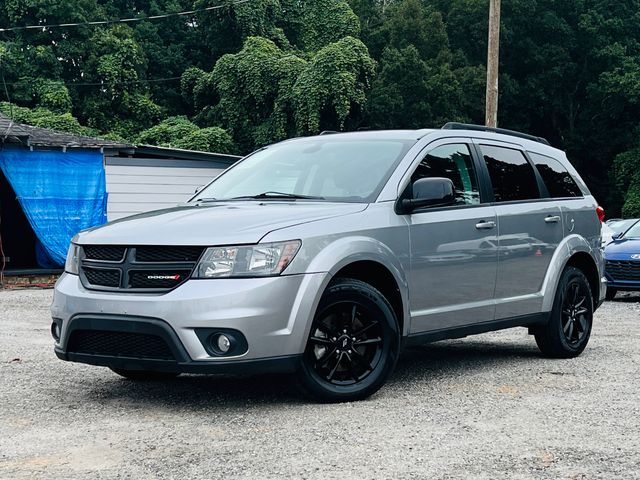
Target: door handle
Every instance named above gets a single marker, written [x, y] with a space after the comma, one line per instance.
[485, 225]
[552, 219]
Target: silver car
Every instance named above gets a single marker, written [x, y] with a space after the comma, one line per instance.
[327, 255]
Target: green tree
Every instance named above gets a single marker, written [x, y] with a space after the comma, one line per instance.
[44, 118]
[330, 92]
[179, 132]
[253, 92]
[314, 25]
[631, 207]
[122, 104]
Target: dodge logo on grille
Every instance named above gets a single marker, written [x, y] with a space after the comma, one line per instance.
[163, 277]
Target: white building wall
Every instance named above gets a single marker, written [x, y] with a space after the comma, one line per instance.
[139, 185]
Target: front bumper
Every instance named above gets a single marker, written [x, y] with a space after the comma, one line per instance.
[623, 284]
[273, 314]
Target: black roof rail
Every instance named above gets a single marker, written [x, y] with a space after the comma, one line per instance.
[503, 131]
[328, 132]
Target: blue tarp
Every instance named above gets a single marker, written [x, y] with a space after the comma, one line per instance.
[60, 192]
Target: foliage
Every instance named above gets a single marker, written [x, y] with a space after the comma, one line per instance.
[313, 25]
[250, 91]
[265, 70]
[179, 132]
[332, 88]
[44, 118]
[626, 181]
[631, 207]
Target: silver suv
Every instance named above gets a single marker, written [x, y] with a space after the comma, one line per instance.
[326, 255]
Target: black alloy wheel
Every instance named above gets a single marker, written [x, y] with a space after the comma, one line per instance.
[574, 312]
[353, 343]
[346, 344]
[567, 333]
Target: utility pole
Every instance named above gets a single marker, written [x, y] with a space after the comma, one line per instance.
[493, 55]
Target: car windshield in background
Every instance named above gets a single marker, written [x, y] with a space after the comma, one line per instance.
[633, 232]
[328, 168]
[620, 226]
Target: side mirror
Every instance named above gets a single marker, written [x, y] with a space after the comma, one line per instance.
[616, 235]
[430, 192]
[197, 190]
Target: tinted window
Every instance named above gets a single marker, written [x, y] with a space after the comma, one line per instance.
[512, 177]
[455, 163]
[557, 179]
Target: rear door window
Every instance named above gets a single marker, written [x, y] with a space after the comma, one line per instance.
[558, 180]
[512, 176]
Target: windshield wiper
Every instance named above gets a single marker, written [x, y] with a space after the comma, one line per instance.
[278, 195]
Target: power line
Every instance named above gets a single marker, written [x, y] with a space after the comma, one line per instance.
[123, 20]
[100, 84]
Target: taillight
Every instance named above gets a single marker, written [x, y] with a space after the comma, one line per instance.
[600, 213]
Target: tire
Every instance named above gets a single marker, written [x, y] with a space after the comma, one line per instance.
[337, 368]
[611, 293]
[144, 375]
[569, 328]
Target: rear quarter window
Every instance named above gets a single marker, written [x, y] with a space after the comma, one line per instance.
[559, 182]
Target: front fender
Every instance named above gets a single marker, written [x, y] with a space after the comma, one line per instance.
[344, 251]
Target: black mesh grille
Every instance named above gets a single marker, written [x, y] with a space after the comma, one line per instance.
[138, 267]
[104, 252]
[119, 344]
[168, 254]
[623, 269]
[102, 277]
[157, 278]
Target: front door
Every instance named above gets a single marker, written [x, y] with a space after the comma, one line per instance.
[453, 249]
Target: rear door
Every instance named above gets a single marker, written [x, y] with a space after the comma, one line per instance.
[529, 228]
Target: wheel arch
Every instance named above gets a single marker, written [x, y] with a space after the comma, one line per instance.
[379, 277]
[370, 261]
[585, 263]
[575, 251]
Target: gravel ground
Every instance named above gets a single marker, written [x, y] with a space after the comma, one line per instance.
[483, 407]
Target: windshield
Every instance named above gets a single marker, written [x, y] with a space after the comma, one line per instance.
[621, 225]
[633, 232]
[319, 168]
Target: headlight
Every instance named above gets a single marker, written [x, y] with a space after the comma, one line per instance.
[73, 259]
[261, 260]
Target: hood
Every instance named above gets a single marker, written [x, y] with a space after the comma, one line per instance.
[213, 223]
[623, 248]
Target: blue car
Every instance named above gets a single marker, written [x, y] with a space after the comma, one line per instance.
[622, 261]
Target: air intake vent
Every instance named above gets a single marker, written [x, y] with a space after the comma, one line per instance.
[105, 253]
[119, 344]
[103, 277]
[625, 270]
[168, 254]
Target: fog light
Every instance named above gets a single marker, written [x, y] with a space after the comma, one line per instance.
[224, 344]
[55, 330]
